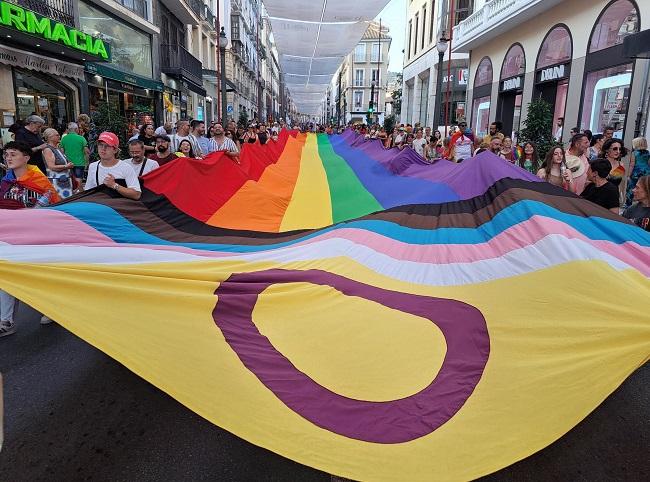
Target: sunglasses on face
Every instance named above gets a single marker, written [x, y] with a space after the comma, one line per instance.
[614, 148]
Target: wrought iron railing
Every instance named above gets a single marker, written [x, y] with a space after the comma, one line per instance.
[136, 6]
[175, 59]
[209, 17]
[59, 10]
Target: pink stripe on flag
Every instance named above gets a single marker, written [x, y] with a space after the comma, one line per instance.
[46, 226]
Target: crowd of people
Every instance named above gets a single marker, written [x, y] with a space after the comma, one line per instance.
[42, 166]
[578, 167]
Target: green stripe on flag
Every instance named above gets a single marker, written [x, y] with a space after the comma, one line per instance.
[349, 198]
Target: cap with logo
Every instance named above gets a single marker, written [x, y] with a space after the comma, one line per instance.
[109, 138]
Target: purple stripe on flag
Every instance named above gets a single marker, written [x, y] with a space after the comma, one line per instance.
[395, 421]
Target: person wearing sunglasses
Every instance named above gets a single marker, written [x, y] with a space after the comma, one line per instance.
[614, 151]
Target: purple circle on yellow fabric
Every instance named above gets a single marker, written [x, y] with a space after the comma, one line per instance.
[394, 421]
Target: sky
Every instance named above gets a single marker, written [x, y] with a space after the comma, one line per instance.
[394, 15]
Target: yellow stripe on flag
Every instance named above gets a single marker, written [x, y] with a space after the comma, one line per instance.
[311, 205]
[553, 356]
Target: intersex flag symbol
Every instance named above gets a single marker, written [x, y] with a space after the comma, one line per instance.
[349, 306]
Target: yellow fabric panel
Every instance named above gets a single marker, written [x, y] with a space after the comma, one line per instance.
[311, 205]
[554, 356]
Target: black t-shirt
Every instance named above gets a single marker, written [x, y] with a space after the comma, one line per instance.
[148, 141]
[606, 195]
[639, 215]
[32, 140]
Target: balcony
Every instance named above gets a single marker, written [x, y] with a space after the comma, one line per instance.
[209, 20]
[60, 10]
[196, 6]
[136, 6]
[176, 60]
[183, 11]
[495, 18]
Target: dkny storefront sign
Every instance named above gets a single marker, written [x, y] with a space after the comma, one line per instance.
[556, 72]
[513, 83]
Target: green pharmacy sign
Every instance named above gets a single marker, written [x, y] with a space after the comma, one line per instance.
[26, 21]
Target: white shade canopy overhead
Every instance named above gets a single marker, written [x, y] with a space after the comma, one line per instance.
[313, 38]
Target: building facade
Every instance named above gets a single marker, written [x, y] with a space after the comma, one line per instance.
[151, 60]
[427, 22]
[569, 53]
[242, 61]
[362, 78]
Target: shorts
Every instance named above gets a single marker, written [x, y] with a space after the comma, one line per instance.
[79, 172]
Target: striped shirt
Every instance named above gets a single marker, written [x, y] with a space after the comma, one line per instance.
[226, 144]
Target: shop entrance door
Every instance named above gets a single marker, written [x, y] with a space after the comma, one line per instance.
[555, 93]
[509, 112]
[43, 96]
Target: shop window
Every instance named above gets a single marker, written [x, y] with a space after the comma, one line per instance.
[606, 98]
[556, 49]
[481, 116]
[130, 48]
[617, 21]
[484, 73]
[514, 63]
[42, 95]
[560, 101]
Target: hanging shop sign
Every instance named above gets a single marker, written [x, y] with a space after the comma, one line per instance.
[27, 60]
[513, 83]
[25, 21]
[556, 72]
[457, 77]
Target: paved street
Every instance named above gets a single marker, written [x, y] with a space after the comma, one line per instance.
[72, 413]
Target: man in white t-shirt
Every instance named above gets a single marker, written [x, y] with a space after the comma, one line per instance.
[110, 171]
[419, 143]
[140, 164]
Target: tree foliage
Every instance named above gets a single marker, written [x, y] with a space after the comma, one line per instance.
[389, 123]
[243, 118]
[107, 118]
[538, 127]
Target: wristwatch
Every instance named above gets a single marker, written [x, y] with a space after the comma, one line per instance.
[116, 186]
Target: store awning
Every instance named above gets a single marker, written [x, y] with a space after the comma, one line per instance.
[638, 45]
[28, 60]
[104, 70]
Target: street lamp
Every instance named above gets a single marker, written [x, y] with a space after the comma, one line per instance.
[441, 46]
[371, 104]
[223, 43]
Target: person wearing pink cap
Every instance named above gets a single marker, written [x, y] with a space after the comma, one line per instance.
[110, 171]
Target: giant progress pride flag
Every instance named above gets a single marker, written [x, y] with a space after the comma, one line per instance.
[351, 307]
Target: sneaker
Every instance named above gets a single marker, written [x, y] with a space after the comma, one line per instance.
[7, 328]
[46, 320]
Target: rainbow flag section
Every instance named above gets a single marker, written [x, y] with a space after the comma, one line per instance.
[350, 307]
